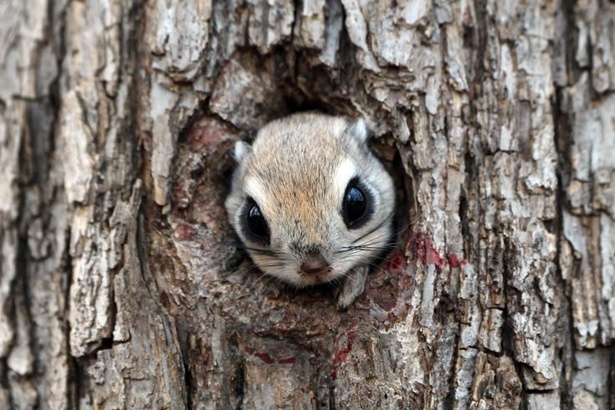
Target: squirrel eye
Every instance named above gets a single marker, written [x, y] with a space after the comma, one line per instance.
[354, 207]
[256, 223]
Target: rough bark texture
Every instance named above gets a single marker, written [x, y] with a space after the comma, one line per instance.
[120, 283]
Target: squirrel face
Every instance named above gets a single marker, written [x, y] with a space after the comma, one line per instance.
[309, 201]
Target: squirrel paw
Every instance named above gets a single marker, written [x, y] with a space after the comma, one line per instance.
[351, 287]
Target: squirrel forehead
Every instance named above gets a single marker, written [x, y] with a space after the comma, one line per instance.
[303, 152]
[296, 164]
[295, 156]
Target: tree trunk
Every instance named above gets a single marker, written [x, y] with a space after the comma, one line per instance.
[120, 283]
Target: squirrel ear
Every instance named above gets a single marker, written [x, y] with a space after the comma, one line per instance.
[358, 130]
[241, 151]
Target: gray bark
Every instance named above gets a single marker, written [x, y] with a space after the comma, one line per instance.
[120, 282]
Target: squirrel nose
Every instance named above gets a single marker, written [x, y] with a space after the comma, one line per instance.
[315, 264]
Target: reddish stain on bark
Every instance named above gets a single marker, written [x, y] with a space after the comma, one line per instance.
[340, 356]
[289, 360]
[264, 357]
[184, 232]
[454, 261]
[424, 248]
[205, 133]
[398, 263]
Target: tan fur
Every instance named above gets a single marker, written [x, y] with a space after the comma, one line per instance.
[296, 173]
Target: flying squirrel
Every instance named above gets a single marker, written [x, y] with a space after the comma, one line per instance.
[311, 203]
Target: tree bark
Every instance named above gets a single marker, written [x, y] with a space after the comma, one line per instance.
[120, 282]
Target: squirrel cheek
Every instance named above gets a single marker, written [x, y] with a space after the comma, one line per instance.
[262, 261]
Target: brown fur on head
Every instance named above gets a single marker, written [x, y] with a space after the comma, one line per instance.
[296, 195]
